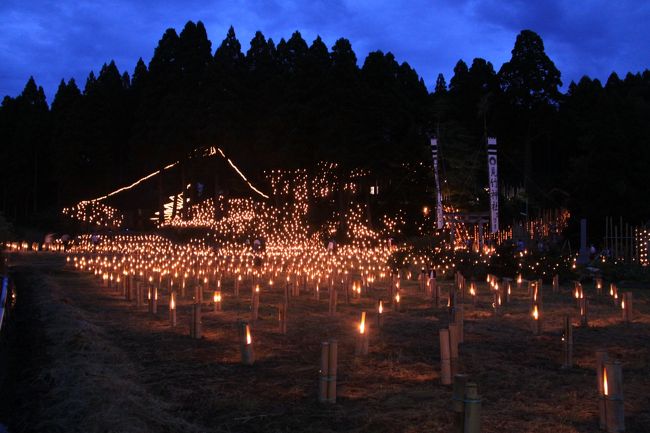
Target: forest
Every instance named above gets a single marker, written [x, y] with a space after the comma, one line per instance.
[292, 104]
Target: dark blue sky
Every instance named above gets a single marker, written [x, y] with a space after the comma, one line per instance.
[54, 39]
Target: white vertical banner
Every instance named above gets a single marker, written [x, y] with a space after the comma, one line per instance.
[434, 152]
[493, 176]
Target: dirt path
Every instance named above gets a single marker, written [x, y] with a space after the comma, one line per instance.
[88, 361]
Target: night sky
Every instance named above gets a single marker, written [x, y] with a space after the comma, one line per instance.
[54, 39]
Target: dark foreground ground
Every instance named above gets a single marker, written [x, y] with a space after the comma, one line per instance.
[84, 360]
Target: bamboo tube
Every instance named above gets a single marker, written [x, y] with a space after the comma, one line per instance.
[216, 301]
[331, 373]
[556, 283]
[614, 404]
[567, 343]
[195, 324]
[627, 307]
[584, 312]
[536, 320]
[139, 296]
[380, 314]
[601, 358]
[282, 317]
[437, 295]
[472, 405]
[599, 286]
[458, 402]
[453, 347]
[255, 305]
[361, 346]
[317, 292]
[198, 293]
[332, 300]
[445, 357]
[323, 372]
[172, 309]
[153, 302]
[246, 344]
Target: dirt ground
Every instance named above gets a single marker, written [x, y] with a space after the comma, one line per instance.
[85, 360]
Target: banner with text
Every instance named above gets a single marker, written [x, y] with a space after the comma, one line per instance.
[494, 184]
[434, 151]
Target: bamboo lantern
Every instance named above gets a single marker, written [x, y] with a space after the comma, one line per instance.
[599, 286]
[613, 396]
[567, 343]
[153, 300]
[584, 312]
[255, 303]
[458, 402]
[613, 292]
[139, 295]
[556, 283]
[536, 320]
[472, 406]
[246, 344]
[332, 300]
[601, 358]
[380, 314]
[216, 301]
[237, 285]
[496, 303]
[361, 347]
[473, 293]
[519, 281]
[195, 325]
[397, 301]
[172, 309]
[317, 292]
[627, 307]
[282, 317]
[445, 357]
[454, 339]
[327, 372]
[436, 293]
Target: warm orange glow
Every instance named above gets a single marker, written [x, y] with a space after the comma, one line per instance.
[623, 304]
[605, 390]
[172, 302]
[381, 306]
[249, 339]
[535, 313]
[397, 298]
[362, 325]
[217, 296]
[257, 288]
[472, 289]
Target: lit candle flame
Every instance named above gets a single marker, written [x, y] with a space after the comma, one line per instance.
[362, 325]
[605, 389]
[535, 313]
[381, 306]
[249, 339]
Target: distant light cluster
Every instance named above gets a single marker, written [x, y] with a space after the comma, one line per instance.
[95, 213]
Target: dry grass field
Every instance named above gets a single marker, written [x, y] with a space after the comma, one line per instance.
[85, 360]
